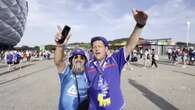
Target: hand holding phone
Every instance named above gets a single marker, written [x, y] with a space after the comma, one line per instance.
[64, 34]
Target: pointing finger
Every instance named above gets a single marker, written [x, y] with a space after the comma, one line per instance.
[134, 11]
[59, 28]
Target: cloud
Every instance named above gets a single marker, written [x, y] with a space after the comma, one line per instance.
[110, 18]
[168, 19]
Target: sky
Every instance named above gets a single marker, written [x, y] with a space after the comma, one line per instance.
[109, 18]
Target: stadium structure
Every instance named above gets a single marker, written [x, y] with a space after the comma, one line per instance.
[13, 15]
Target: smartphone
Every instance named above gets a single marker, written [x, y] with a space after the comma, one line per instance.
[64, 33]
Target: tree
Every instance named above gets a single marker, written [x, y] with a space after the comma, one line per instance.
[37, 48]
[49, 47]
[24, 47]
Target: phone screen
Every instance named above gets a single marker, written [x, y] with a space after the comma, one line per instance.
[64, 33]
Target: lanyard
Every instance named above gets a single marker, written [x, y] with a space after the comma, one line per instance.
[103, 96]
[99, 67]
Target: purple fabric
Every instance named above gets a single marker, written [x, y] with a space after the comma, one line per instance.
[112, 72]
[9, 58]
[77, 52]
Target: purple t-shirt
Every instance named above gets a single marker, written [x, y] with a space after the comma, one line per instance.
[111, 72]
[9, 58]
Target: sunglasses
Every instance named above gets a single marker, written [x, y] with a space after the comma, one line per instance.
[79, 57]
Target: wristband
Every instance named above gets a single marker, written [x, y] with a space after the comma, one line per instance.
[140, 25]
[60, 46]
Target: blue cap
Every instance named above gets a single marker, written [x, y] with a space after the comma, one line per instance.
[75, 52]
[101, 39]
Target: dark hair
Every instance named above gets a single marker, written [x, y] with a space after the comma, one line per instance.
[101, 39]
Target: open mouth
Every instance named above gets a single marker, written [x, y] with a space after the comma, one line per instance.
[97, 53]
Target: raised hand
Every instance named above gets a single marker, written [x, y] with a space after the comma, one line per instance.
[59, 37]
[140, 17]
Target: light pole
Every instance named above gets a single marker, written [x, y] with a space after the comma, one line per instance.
[188, 33]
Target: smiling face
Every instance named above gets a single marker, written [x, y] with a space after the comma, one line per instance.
[99, 50]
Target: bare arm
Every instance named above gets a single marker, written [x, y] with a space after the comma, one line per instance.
[140, 18]
[59, 52]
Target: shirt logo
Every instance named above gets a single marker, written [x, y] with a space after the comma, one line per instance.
[103, 95]
[72, 91]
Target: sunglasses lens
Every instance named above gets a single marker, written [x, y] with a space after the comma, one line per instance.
[76, 57]
[79, 57]
[82, 57]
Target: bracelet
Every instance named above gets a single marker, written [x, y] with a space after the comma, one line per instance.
[60, 45]
[140, 25]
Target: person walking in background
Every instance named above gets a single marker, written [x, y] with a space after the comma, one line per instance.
[184, 57]
[193, 57]
[9, 59]
[1, 56]
[17, 58]
[174, 57]
[146, 58]
[169, 52]
[154, 58]
[141, 53]
[28, 55]
[190, 54]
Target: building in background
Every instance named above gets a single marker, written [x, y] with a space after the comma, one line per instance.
[13, 14]
[160, 45]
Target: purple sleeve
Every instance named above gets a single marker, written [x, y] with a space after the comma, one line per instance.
[120, 59]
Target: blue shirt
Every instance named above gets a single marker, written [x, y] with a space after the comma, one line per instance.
[9, 58]
[111, 72]
[17, 57]
[68, 94]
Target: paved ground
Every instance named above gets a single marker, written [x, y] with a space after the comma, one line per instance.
[168, 87]
[36, 87]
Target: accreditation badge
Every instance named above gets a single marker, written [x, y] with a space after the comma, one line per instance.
[103, 96]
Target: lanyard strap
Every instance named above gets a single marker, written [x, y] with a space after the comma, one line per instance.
[99, 67]
[99, 71]
[77, 87]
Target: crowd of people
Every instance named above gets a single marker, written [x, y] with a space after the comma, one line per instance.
[184, 56]
[13, 58]
[150, 57]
